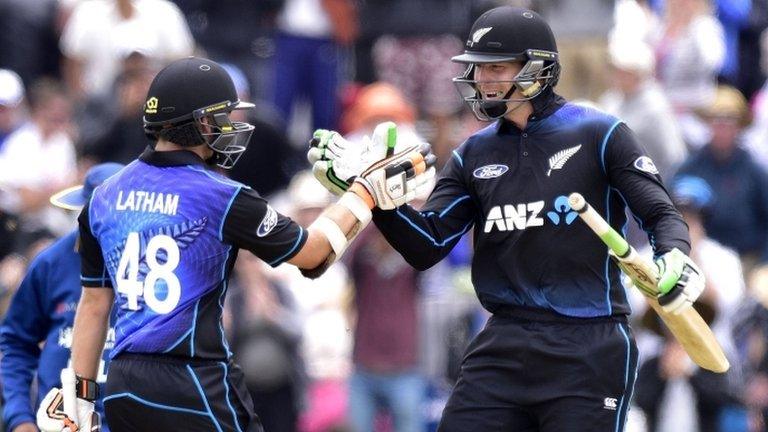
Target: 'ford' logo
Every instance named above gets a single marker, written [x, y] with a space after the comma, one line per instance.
[490, 171]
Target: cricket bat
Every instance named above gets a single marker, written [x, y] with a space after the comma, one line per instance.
[688, 327]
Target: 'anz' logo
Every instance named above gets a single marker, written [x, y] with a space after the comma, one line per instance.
[490, 171]
[511, 217]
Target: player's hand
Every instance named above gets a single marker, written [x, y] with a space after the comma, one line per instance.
[398, 179]
[52, 416]
[336, 162]
[681, 281]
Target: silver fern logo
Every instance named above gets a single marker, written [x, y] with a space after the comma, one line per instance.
[559, 159]
[478, 34]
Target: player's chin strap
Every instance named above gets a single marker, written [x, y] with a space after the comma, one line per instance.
[333, 232]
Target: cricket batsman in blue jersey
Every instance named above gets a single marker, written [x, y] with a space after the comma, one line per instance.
[557, 355]
[158, 242]
[43, 311]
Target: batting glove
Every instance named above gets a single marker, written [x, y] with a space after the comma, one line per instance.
[63, 411]
[398, 179]
[336, 162]
[681, 281]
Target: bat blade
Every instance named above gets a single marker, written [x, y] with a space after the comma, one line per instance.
[688, 327]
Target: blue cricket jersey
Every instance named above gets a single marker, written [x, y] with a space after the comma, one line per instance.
[511, 187]
[42, 310]
[164, 234]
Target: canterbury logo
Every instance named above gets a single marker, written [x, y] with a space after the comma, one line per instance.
[477, 35]
[559, 159]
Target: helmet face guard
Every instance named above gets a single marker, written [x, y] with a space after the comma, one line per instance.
[226, 138]
[540, 70]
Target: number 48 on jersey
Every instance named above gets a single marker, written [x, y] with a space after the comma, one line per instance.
[133, 283]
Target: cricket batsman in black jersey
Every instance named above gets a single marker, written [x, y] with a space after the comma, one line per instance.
[557, 354]
[158, 242]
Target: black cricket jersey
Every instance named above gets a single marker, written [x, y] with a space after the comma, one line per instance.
[164, 232]
[511, 187]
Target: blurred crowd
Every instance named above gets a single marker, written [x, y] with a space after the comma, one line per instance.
[374, 345]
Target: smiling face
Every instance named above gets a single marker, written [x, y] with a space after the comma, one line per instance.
[495, 79]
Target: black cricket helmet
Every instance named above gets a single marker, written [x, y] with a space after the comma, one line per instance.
[189, 103]
[508, 34]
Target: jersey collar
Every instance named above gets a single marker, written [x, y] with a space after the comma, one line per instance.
[543, 106]
[170, 158]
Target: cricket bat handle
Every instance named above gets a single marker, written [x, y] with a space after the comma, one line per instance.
[688, 327]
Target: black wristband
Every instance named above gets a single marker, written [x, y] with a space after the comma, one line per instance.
[87, 389]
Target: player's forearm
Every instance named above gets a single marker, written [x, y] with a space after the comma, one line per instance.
[415, 237]
[331, 232]
[90, 330]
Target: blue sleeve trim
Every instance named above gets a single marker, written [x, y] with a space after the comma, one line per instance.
[226, 396]
[155, 405]
[226, 212]
[295, 245]
[453, 204]
[221, 303]
[604, 144]
[205, 400]
[192, 330]
[458, 157]
[429, 237]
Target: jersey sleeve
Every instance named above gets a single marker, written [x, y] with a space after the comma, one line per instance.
[93, 272]
[253, 224]
[425, 237]
[633, 174]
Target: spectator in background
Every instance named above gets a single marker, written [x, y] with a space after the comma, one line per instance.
[108, 123]
[11, 103]
[238, 32]
[636, 98]
[36, 334]
[12, 115]
[690, 50]
[581, 28]
[733, 16]
[413, 54]
[37, 160]
[266, 175]
[674, 393]
[386, 294]
[311, 37]
[266, 332]
[28, 42]
[322, 305]
[99, 31]
[739, 216]
[386, 344]
[756, 135]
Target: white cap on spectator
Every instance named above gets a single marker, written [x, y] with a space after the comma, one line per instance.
[11, 88]
[632, 55]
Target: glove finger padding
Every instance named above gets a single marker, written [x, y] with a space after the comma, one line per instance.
[336, 161]
[396, 180]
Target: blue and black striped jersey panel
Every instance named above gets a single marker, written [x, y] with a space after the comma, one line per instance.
[184, 204]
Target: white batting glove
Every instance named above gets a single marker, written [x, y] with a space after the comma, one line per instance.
[336, 161]
[398, 179]
[62, 411]
[681, 281]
